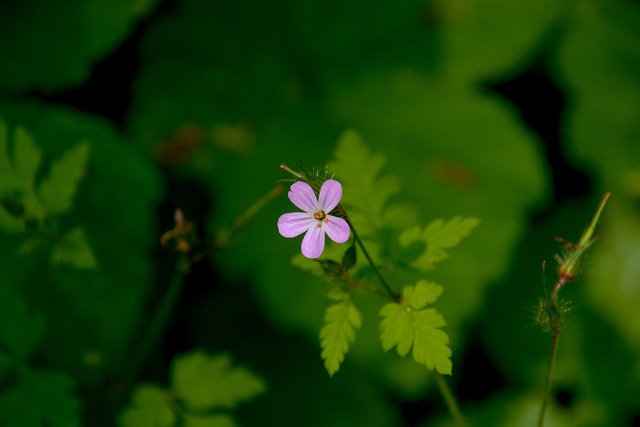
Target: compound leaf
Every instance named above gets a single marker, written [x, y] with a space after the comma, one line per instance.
[408, 324]
[74, 250]
[204, 382]
[57, 190]
[437, 236]
[339, 331]
[40, 399]
[150, 407]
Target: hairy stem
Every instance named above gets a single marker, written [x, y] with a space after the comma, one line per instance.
[450, 400]
[549, 380]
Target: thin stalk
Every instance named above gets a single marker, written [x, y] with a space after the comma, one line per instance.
[547, 385]
[454, 410]
[157, 325]
[370, 260]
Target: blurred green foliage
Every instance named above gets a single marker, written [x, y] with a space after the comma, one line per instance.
[221, 93]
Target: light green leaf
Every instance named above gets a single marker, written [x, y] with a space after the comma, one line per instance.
[437, 236]
[150, 407]
[20, 331]
[74, 250]
[408, 325]
[218, 420]
[204, 382]
[40, 399]
[57, 190]
[339, 331]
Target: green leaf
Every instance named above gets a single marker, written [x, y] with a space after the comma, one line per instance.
[217, 420]
[204, 382]
[74, 250]
[339, 331]
[40, 399]
[57, 190]
[150, 407]
[437, 236]
[408, 324]
[25, 159]
[20, 331]
[10, 223]
[365, 193]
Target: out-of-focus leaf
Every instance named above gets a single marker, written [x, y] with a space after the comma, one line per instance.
[203, 382]
[150, 407]
[20, 331]
[40, 399]
[57, 190]
[47, 46]
[118, 284]
[74, 250]
[437, 236]
[218, 420]
[482, 39]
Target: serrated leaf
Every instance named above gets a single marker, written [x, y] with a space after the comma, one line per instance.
[74, 250]
[150, 407]
[26, 158]
[204, 382]
[217, 420]
[20, 331]
[339, 331]
[40, 399]
[406, 326]
[366, 192]
[57, 190]
[437, 236]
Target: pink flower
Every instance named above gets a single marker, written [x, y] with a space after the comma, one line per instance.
[315, 220]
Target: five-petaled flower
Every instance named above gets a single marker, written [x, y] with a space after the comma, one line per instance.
[315, 219]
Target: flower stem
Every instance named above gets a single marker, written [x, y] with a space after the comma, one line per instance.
[386, 286]
[547, 385]
[450, 400]
[157, 325]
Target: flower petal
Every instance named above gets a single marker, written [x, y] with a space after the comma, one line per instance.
[302, 195]
[330, 195]
[295, 223]
[313, 242]
[337, 229]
